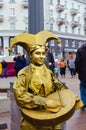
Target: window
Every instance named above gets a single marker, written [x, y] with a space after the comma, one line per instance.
[65, 4]
[14, 50]
[12, 11]
[72, 5]
[72, 30]
[1, 44]
[59, 28]
[51, 1]
[79, 31]
[78, 8]
[26, 27]
[85, 32]
[51, 13]
[66, 28]
[51, 26]
[80, 43]
[52, 43]
[79, 19]
[85, 21]
[58, 1]
[12, 26]
[66, 43]
[65, 16]
[84, 9]
[73, 43]
[72, 18]
[12, 0]
[59, 15]
[25, 12]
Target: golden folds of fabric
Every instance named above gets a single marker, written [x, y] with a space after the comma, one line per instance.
[38, 82]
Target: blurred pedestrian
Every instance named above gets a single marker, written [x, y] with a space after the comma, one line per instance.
[0, 68]
[18, 64]
[80, 65]
[24, 62]
[56, 71]
[56, 68]
[72, 66]
[62, 66]
[14, 59]
[49, 60]
[4, 66]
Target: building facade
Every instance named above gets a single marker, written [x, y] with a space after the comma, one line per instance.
[13, 20]
[66, 18]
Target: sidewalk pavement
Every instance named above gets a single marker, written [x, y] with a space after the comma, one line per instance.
[5, 82]
[76, 122]
[71, 83]
[5, 103]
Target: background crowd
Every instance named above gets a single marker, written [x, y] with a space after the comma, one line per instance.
[19, 63]
[57, 67]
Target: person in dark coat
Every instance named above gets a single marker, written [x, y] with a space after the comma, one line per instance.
[14, 59]
[50, 60]
[72, 66]
[24, 62]
[80, 65]
[18, 64]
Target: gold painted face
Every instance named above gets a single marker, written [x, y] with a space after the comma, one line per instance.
[38, 56]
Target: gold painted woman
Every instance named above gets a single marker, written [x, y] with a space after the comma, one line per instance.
[43, 100]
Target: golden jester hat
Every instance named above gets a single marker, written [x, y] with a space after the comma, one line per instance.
[30, 41]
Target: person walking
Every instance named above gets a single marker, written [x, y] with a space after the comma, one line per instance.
[80, 65]
[72, 66]
[49, 60]
[15, 57]
[62, 66]
[56, 69]
[24, 62]
[0, 68]
[18, 64]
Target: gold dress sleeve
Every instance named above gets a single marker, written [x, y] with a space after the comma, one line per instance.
[22, 96]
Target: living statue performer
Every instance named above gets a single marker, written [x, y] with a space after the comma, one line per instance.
[43, 100]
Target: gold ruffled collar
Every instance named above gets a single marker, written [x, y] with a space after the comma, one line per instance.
[40, 82]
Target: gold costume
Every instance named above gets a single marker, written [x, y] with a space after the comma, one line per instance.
[39, 94]
[26, 86]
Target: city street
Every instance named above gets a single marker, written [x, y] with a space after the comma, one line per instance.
[25, 27]
[76, 122]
